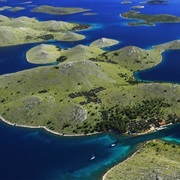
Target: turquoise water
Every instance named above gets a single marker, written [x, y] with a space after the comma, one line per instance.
[36, 154]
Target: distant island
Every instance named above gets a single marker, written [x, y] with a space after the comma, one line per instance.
[155, 2]
[137, 7]
[23, 30]
[58, 10]
[12, 9]
[126, 2]
[17, 8]
[147, 19]
[4, 7]
[89, 14]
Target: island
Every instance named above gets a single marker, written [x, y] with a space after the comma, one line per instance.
[137, 7]
[155, 160]
[21, 30]
[4, 7]
[155, 2]
[17, 8]
[147, 19]
[126, 2]
[58, 10]
[91, 94]
[89, 14]
[83, 89]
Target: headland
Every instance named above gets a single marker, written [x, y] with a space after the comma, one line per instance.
[147, 19]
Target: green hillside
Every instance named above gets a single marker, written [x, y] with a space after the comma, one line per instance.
[21, 30]
[149, 19]
[156, 160]
[81, 95]
[58, 10]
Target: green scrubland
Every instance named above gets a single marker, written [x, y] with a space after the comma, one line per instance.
[148, 19]
[89, 91]
[156, 160]
[21, 30]
[58, 10]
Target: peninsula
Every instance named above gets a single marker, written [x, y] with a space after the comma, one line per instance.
[156, 160]
[155, 2]
[147, 19]
[21, 30]
[43, 54]
[94, 93]
[169, 45]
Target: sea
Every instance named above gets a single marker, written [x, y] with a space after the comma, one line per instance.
[37, 154]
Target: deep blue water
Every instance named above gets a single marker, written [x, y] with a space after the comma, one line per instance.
[107, 23]
[166, 71]
[36, 154]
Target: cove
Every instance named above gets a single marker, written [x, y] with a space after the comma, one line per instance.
[36, 154]
[166, 71]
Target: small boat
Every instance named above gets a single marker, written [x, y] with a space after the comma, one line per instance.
[112, 145]
[92, 157]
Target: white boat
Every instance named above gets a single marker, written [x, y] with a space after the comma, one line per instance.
[93, 157]
[112, 145]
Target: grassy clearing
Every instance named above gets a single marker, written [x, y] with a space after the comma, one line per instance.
[157, 160]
